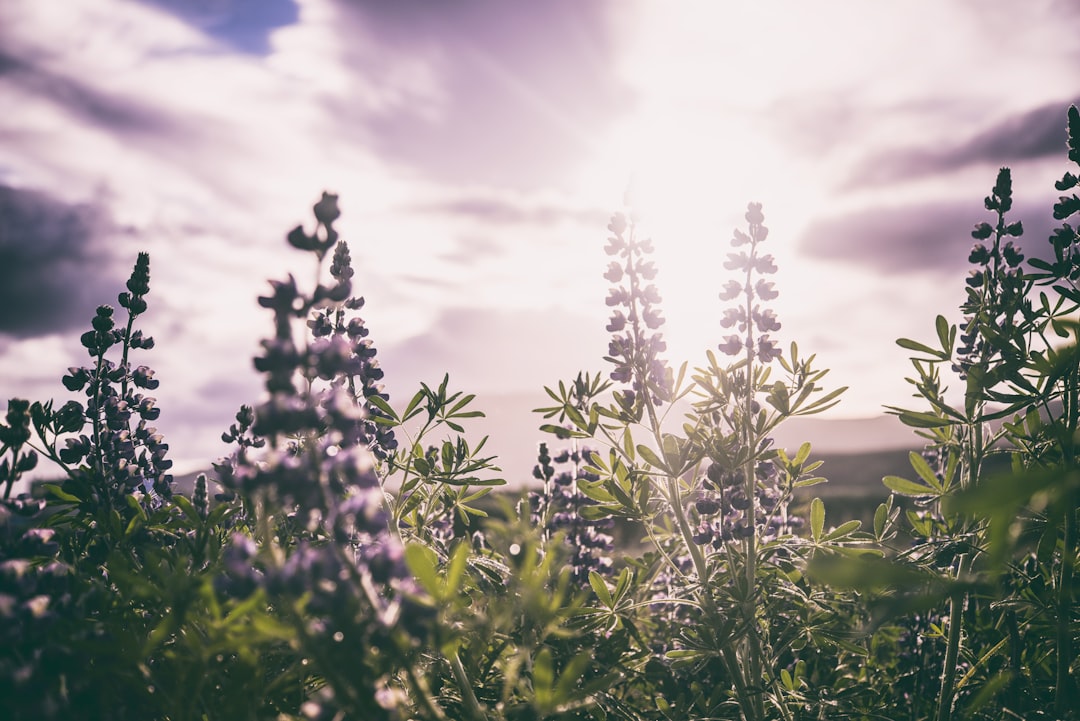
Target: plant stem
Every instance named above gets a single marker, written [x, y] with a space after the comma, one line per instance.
[1063, 682]
[465, 686]
[750, 479]
[952, 652]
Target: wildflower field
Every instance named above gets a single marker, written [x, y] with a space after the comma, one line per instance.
[354, 565]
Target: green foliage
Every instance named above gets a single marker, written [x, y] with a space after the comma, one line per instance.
[356, 563]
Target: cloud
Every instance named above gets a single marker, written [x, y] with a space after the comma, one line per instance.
[502, 211]
[86, 104]
[504, 94]
[471, 247]
[1023, 136]
[488, 350]
[53, 268]
[921, 237]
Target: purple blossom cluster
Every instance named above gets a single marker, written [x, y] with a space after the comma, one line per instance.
[321, 432]
[557, 508]
[335, 332]
[308, 455]
[122, 453]
[636, 346]
[750, 316]
[318, 457]
[723, 507]
[37, 596]
[13, 436]
[1064, 240]
[995, 287]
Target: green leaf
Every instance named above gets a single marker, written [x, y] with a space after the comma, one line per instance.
[779, 398]
[651, 458]
[822, 404]
[844, 529]
[920, 466]
[920, 348]
[422, 561]
[594, 512]
[185, 506]
[626, 577]
[905, 487]
[881, 516]
[817, 518]
[621, 495]
[456, 569]
[595, 491]
[413, 403]
[922, 420]
[383, 406]
[576, 418]
[600, 588]
[461, 481]
[559, 432]
[946, 334]
[462, 402]
[567, 687]
[544, 678]
[807, 482]
[58, 492]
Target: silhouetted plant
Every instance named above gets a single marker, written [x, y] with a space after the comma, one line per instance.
[999, 548]
[351, 565]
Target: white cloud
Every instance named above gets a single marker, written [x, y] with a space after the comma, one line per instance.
[476, 163]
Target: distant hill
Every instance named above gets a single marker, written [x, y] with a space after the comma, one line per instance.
[514, 435]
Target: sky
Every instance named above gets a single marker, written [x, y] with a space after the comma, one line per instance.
[478, 148]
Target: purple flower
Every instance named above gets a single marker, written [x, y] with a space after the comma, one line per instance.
[765, 290]
[617, 323]
[732, 345]
[767, 351]
[731, 290]
[326, 210]
[763, 320]
[766, 321]
[732, 316]
[633, 348]
[765, 264]
[557, 507]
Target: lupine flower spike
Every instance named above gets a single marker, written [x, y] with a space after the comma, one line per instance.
[119, 459]
[751, 316]
[636, 344]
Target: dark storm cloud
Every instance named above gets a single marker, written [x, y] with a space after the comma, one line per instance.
[86, 104]
[917, 238]
[52, 270]
[1028, 135]
[524, 87]
[244, 25]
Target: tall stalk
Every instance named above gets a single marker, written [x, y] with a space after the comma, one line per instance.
[1063, 680]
